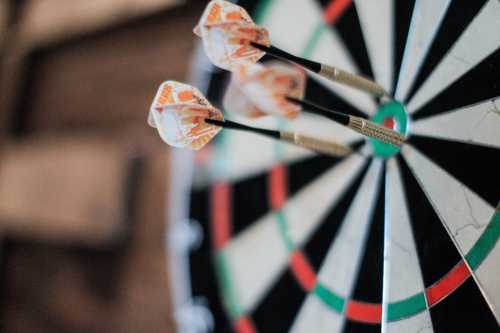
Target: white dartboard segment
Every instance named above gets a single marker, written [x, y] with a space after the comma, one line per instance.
[464, 215]
[240, 154]
[425, 22]
[315, 314]
[328, 49]
[303, 219]
[229, 164]
[477, 124]
[340, 267]
[487, 278]
[480, 39]
[402, 273]
[283, 14]
[254, 267]
[331, 50]
[377, 23]
[342, 261]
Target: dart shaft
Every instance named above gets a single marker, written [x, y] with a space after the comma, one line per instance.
[237, 126]
[322, 146]
[329, 72]
[283, 55]
[319, 110]
[376, 131]
[352, 80]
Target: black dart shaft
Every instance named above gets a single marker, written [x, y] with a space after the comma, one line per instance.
[326, 71]
[283, 55]
[322, 111]
[326, 147]
[233, 125]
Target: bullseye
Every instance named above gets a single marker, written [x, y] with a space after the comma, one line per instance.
[393, 116]
[389, 122]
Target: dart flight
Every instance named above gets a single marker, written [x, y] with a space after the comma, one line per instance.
[256, 90]
[230, 37]
[226, 31]
[178, 112]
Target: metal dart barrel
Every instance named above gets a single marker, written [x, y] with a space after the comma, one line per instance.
[320, 145]
[376, 131]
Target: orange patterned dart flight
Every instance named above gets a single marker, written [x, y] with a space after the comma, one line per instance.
[256, 90]
[226, 30]
[178, 112]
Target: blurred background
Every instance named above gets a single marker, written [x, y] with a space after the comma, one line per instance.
[83, 179]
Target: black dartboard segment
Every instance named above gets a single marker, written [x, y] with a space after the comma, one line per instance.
[402, 243]
[317, 247]
[437, 255]
[455, 21]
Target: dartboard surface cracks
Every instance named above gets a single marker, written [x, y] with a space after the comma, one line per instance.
[394, 240]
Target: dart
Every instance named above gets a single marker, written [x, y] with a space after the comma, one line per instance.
[319, 145]
[230, 36]
[358, 124]
[278, 89]
[186, 119]
[329, 72]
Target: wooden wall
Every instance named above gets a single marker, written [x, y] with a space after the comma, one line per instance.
[85, 187]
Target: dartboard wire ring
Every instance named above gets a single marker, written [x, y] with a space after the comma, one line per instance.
[302, 270]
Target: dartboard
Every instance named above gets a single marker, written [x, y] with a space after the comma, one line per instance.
[393, 239]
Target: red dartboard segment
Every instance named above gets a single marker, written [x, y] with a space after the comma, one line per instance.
[244, 325]
[302, 270]
[278, 180]
[221, 214]
[299, 263]
[335, 9]
[389, 123]
[364, 312]
[448, 284]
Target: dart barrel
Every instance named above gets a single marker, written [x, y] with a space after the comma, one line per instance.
[373, 130]
[319, 145]
[352, 80]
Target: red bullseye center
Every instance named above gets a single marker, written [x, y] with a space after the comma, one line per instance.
[389, 122]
